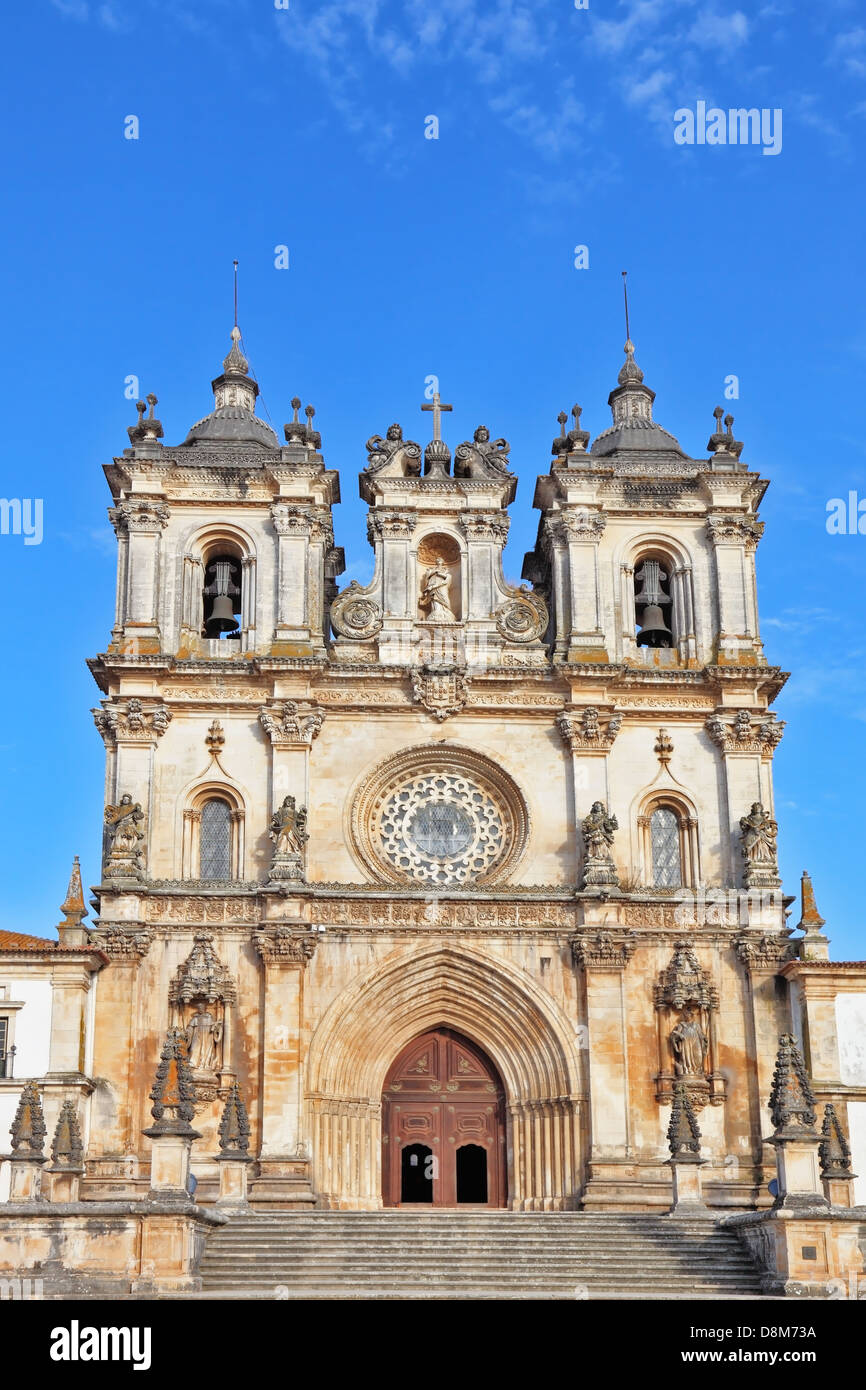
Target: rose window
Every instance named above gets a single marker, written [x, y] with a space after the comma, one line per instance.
[441, 828]
[442, 817]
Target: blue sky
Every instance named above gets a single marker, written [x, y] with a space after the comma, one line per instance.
[305, 127]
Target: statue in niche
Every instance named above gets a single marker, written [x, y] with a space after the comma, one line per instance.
[435, 600]
[200, 996]
[689, 1044]
[203, 1037]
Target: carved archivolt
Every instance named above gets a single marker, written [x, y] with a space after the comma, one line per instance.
[439, 816]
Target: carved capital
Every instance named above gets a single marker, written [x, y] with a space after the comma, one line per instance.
[290, 724]
[580, 524]
[764, 950]
[286, 946]
[127, 721]
[142, 514]
[735, 530]
[390, 526]
[124, 943]
[484, 526]
[291, 521]
[746, 733]
[603, 950]
[583, 732]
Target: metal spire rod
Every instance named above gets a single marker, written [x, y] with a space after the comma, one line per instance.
[625, 298]
[235, 264]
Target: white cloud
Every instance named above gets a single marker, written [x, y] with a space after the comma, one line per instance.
[719, 31]
[72, 9]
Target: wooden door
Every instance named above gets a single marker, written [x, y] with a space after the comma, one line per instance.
[443, 1126]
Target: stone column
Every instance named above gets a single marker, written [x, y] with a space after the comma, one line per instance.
[767, 1015]
[729, 536]
[70, 986]
[293, 526]
[143, 519]
[112, 1142]
[583, 530]
[283, 1162]
[601, 957]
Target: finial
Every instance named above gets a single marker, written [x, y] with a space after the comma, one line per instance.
[834, 1151]
[684, 1135]
[724, 442]
[810, 917]
[576, 412]
[300, 435]
[28, 1128]
[235, 264]
[234, 1127]
[562, 421]
[625, 301]
[791, 1103]
[146, 429]
[66, 1147]
[72, 906]
[173, 1089]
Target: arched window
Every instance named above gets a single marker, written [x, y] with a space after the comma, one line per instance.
[653, 603]
[216, 840]
[669, 843]
[665, 840]
[222, 597]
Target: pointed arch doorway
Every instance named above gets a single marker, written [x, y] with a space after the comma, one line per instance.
[443, 1126]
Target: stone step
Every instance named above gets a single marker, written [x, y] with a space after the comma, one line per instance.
[465, 1255]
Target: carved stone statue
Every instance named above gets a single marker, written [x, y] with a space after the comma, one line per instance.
[482, 458]
[124, 824]
[288, 831]
[435, 600]
[598, 829]
[689, 1044]
[759, 835]
[381, 451]
[203, 1037]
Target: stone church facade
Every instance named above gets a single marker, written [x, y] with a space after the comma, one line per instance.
[457, 879]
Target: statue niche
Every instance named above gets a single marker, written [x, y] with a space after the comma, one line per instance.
[439, 579]
[687, 1005]
[200, 998]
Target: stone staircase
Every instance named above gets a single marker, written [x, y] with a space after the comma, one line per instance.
[473, 1255]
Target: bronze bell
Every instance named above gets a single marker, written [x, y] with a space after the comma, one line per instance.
[653, 632]
[222, 618]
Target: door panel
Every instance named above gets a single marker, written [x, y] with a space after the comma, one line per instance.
[444, 1096]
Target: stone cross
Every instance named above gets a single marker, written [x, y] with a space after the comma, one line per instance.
[437, 407]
